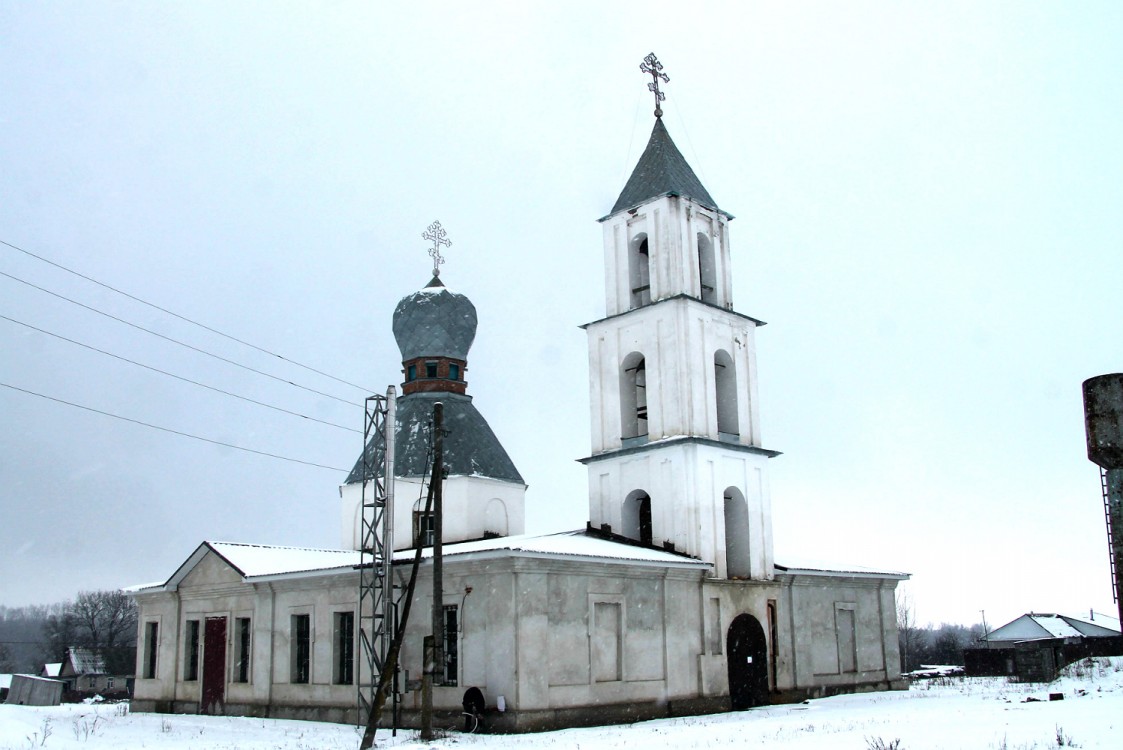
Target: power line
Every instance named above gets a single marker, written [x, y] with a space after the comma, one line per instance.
[182, 317]
[176, 341]
[168, 429]
[178, 377]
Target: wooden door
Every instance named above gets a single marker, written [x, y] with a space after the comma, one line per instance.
[214, 666]
[747, 658]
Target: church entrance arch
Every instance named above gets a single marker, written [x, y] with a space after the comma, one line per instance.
[214, 667]
[747, 658]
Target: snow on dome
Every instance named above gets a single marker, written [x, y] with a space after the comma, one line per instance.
[435, 322]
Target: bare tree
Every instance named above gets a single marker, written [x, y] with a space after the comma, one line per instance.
[906, 630]
[104, 621]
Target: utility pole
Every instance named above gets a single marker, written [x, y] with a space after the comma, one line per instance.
[434, 644]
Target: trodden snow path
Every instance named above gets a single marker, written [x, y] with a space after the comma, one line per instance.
[939, 714]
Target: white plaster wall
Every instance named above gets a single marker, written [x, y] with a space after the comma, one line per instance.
[672, 225]
[466, 500]
[686, 482]
[809, 636]
[678, 339]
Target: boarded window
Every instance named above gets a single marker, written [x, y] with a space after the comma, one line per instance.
[606, 647]
[714, 629]
[847, 643]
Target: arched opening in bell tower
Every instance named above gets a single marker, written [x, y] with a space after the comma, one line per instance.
[633, 397]
[636, 516]
[725, 390]
[639, 271]
[707, 269]
[737, 559]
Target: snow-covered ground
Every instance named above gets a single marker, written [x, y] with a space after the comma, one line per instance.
[939, 714]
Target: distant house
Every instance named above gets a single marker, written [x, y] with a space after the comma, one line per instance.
[1035, 646]
[84, 674]
[1035, 626]
[51, 670]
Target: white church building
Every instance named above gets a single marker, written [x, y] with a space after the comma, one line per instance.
[669, 602]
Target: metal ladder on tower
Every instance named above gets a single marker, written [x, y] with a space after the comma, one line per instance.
[1110, 534]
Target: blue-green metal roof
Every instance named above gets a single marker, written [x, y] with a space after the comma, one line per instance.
[661, 170]
[470, 447]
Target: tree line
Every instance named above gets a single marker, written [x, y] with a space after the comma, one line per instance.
[102, 621]
[943, 644]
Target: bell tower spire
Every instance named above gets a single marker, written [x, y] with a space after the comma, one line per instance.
[677, 459]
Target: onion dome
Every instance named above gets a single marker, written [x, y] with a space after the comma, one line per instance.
[434, 328]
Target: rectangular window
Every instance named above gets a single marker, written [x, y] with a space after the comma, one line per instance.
[191, 651]
[411, 373]
[300, 639]
[454, 372]
[423, 529]
[452, 631]
[430, 369]
[242, 649]
[151, 636]
[344, 671]
[108, 683]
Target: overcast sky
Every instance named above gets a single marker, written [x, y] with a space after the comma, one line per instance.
[928, 201]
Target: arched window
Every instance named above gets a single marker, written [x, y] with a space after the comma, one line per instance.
[725, 390]
[737, 561]
[636, 516]
[639, 271]
[707, 269]
[495, 518]
[633, 397]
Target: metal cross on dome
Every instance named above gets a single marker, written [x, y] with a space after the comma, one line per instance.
[436, 234]
[652, 66]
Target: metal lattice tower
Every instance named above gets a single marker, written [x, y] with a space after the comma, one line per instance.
[376, 584]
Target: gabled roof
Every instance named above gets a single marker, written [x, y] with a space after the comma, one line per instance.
[661, 170]
[52, 669]
[262, 561]
[1034, 626]
[82, 661]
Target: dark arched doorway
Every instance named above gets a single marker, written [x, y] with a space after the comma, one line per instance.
[747, 656]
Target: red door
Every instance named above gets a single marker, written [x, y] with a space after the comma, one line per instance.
[214, 666]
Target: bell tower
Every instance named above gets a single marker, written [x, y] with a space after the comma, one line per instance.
[677, 460]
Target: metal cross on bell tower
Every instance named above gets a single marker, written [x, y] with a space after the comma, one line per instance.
[652, 66]
[436, 234]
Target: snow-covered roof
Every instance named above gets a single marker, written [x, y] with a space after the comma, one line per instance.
[5, 680]
[52, 669]
[264, 561]
[259, 562]
[84, 661]
[820, 567]
[1035, 626]
[574, 544]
